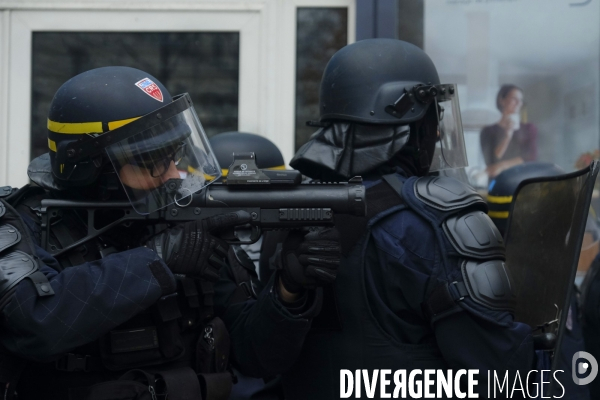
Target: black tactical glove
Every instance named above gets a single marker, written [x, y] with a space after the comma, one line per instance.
[191, 249]
[309, 260]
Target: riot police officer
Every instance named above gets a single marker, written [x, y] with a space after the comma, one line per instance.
[502, 189]
[133, 313]
[268, 156]
[404, 297]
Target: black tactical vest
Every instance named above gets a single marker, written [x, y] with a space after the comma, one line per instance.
[175, 346]
[352, 331]
[356, 341]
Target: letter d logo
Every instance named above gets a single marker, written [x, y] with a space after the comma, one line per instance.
[584, 367]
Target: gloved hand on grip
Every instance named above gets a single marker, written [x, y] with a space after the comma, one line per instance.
[309, 260]
[192, 249]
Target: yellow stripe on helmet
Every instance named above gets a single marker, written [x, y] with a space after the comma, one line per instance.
[498, 214]
[81, 128]
[52, 145]
[117, 124]
[499, 199]
[194, 171]
[75, 128]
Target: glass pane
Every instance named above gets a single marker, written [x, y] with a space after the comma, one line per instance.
[204, 64]
[525, 96]
[320, 33]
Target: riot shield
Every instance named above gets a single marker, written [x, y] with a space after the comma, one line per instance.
[543, 241]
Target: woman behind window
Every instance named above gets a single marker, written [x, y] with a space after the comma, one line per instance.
[508, 142]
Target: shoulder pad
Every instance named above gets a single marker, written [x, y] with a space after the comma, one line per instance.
[489, 284]
[5, 191]
[474, 235]
[446, 194]
[16, 263]
[9, 235]
[2, 209]
[14, 267]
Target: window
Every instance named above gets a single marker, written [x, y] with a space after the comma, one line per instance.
[320, 33]
[205, 64]
[552, 111]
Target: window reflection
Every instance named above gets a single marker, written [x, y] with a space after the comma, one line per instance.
[204, 64]
[488, 46]
[320, 33]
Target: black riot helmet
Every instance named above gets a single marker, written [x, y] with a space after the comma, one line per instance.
[363, 79]
[125, 120]
[93, 103]
[502, 188]
[268, 156]
[382, 106]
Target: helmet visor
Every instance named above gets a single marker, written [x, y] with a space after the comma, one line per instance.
[166, 163]
[450, 151]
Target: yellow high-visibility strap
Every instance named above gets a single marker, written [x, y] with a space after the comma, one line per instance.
[499, 199]
[498, 214]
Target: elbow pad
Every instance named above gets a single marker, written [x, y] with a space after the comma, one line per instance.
[17, 255]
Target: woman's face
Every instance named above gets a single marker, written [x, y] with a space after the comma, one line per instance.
[512, 103]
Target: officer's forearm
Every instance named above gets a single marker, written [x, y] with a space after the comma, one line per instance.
[89, 300]
[266, 336]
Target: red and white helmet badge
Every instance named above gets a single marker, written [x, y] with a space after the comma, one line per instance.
[150, 88]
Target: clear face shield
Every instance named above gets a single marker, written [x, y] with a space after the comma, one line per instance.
[450, 151]
[161, 158]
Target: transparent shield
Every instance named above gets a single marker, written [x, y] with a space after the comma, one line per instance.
[165, 164]
[543, 241]
[450, 151]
